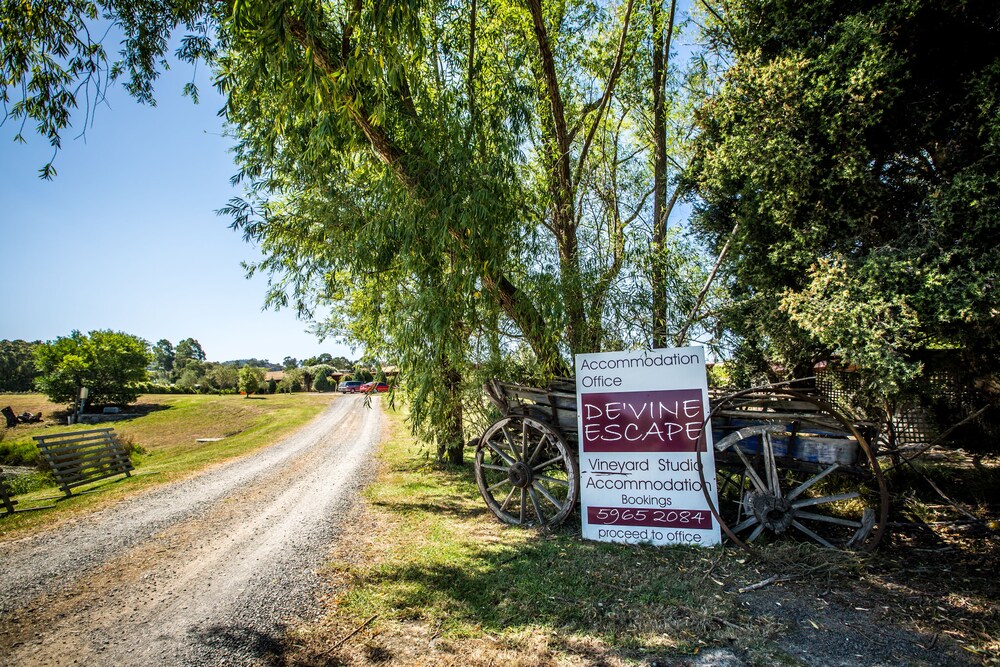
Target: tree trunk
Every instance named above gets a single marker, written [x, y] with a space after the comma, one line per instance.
[451, 444]
[661, 209]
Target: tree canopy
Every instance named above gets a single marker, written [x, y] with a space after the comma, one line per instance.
[854, 147]
[462, 183]
[482, 186]
[107, 363]
[250, 379]
[17, 365]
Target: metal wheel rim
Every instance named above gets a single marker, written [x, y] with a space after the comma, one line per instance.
[526, 472]
[875, 521]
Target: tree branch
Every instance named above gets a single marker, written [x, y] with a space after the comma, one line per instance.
[511, 299]
[608, 90]
[555, 98]
[682, 334]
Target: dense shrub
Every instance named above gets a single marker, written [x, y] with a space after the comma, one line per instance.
[17, 365]
[33, 481]
[22, 453]
[323, 383]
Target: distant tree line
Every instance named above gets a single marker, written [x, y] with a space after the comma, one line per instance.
[117, 367]
[17, 365]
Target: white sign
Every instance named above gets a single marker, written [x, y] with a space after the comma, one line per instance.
[640, 416]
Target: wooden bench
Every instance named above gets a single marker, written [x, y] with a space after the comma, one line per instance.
[5, 497]
[82, 457]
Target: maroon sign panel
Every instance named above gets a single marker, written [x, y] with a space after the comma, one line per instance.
[649, 516]
[643, 421]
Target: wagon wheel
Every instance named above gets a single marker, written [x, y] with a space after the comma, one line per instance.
[766, 491]
[526, 472]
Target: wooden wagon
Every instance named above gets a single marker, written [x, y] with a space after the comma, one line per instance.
[788, 464]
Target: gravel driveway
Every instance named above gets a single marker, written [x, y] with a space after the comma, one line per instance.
[207, 571]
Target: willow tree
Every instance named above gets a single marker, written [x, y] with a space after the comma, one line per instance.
[460, 182]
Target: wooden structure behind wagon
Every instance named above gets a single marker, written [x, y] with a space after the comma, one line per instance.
[787, 464]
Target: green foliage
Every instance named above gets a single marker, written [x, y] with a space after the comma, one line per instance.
[19, 453]
[163, 356]
[189, 380]
[456, 196]
[250, 379]
[292, 382]
[160, 388]
[17, 365]
[460, 184]
[221, 377]
[326, 359]
[187, 351]
[52, 56]
[32, 481]
[323, 382]
[362, 374]
[856, 145]
[261, 363]
[108, 363]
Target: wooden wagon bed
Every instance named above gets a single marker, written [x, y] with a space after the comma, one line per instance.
[787, 463]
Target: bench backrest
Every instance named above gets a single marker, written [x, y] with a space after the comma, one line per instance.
[5, 497]
[82, 457]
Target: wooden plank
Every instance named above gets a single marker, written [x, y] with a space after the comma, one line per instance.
[562, 400]
[72, 456]
[63, 453]
[813, 418]
[83, 482]
[67, 455]
[5, 497]
[69, 435]
[80, 444]
[72, 435]
[779, 404]
[93, 457]
[77, 467]
[83, 457]
[59, 448]
[87, 479]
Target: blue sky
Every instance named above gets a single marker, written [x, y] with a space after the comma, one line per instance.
[126, 236]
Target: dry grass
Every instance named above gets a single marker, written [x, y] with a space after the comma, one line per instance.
[426, 576]
[431, 578]
[164, 435]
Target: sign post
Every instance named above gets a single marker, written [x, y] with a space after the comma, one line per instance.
[640, 417]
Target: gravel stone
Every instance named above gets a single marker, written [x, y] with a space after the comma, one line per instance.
[209, 570]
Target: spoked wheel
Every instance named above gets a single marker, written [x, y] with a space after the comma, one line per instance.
[790, 465]
[526, 472]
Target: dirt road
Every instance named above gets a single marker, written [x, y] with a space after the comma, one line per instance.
[203, 572]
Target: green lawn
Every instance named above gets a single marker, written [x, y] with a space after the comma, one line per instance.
[164, 438]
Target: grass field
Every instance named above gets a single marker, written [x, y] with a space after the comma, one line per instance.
[429, 577]
[425, 575]
[164, 437]
[434, 569]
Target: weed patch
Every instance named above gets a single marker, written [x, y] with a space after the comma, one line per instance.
[30, 482]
